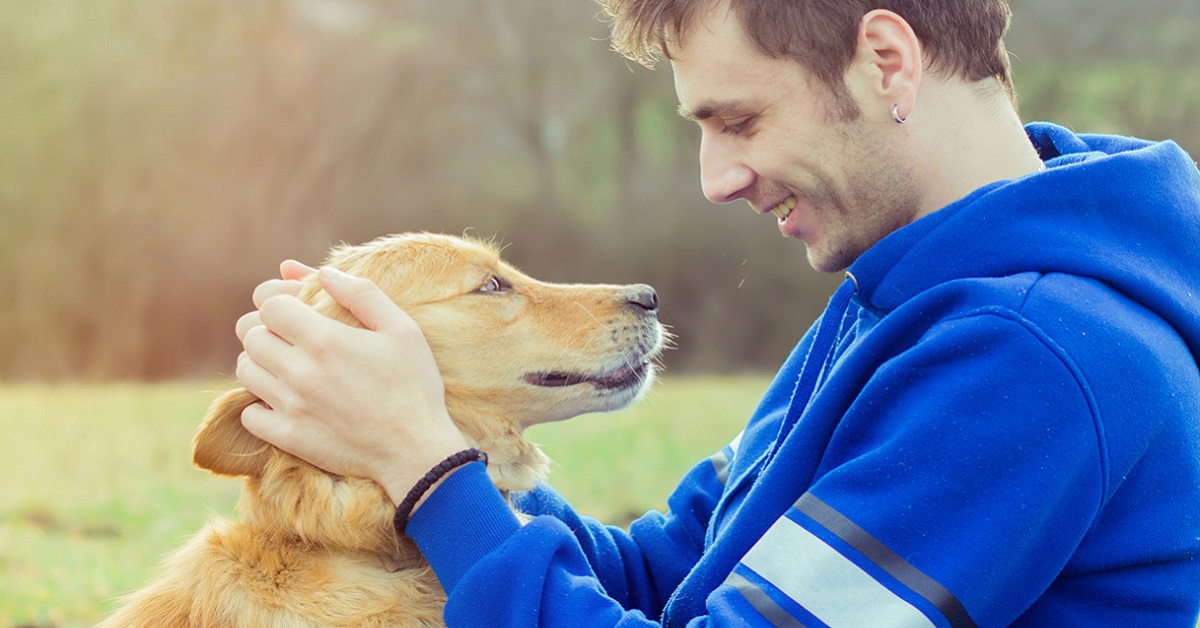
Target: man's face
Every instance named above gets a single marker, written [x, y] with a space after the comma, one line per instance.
[778, 138]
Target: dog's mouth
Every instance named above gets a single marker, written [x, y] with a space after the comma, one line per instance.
[624, 377]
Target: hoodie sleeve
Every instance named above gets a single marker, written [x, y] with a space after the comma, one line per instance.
[560, 569]
[955, 490]
[640, 567]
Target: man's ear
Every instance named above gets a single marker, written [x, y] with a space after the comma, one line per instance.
[888, 61]
[222, 445]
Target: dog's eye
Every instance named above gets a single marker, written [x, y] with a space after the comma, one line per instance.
[492, 285]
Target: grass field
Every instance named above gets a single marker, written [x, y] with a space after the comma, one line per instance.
[96, 482]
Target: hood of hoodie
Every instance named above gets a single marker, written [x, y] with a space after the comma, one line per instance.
[1119, 210]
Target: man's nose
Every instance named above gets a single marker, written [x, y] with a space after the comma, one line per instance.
[723, 177]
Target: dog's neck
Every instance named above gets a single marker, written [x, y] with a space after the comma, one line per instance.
[293, 499]
[514, 463]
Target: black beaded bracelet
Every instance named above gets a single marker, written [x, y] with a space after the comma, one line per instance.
[404, 510]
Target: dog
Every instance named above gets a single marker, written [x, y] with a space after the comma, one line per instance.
[316, 549]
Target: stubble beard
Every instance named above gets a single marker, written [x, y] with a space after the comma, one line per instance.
[880, 198]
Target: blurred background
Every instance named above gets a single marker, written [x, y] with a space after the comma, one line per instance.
[158, 158]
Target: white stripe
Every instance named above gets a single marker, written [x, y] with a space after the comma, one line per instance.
[721, 462]
[824, 582]
[737, 441]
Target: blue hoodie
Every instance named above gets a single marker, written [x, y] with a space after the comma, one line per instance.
[995, 422]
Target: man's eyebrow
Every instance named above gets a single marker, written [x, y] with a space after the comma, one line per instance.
[694, 116]
[711, 108]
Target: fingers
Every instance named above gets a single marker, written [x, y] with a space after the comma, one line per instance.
[374, 309]
[333, 393]
[266, 424]
[265, 358]
[267, 353]
[254, 377]
[246, 323]
[293, 270]
[292, 320]
[293, 274]
[276, 287]
[259, 366]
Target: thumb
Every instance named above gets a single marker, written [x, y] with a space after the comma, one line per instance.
[374, 309]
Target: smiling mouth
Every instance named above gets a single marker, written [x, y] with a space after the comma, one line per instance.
[784, 208]
[623, 377]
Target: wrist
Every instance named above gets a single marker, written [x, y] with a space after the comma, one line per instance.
[464, 520]
[402, 481]
[399, 471]
[425, 486]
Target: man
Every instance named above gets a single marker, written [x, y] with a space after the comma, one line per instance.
[996, 421]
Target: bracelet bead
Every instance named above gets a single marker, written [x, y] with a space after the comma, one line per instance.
[453, 461]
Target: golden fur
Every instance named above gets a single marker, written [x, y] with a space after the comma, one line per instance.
[315, 549]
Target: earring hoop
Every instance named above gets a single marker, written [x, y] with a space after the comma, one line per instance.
[896, 115]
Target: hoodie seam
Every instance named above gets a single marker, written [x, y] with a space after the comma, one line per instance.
[1028, 294]
[1077, 375]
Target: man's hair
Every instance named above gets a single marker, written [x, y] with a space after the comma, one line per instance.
[959, 37]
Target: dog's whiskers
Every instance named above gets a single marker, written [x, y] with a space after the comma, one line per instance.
[588, 312]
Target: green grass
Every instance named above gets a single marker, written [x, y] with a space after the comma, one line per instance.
[615, 466]
[96, 482]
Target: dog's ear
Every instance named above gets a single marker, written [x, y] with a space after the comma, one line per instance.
[222, 445]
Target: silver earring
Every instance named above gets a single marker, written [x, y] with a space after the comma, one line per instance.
[896, 115]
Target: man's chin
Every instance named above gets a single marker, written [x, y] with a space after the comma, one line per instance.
[828, 261]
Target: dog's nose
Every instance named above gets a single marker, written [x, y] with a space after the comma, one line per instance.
[643, 296]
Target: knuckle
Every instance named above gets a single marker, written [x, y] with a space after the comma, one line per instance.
[300, 375]
[275, 309]
[274, 288]
[319, 344]
[264, 291]
[406, 327]
[269, 307]
[409, 334]
[254, 336]
[301, 371]
[290, 404]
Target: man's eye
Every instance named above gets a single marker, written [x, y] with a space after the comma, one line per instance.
[492, 285]
[737, 128]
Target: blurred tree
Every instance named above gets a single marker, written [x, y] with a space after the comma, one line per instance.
[1111, 67]
[159, 157]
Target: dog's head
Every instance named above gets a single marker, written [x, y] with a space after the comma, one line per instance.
[513, 352]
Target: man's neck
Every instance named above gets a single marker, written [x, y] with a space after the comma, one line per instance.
[969, 136]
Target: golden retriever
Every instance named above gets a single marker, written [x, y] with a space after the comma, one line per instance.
[315, 549]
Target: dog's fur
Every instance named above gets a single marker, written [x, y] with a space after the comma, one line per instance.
[315, 549]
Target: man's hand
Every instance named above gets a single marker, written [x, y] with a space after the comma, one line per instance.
[363, 402]
[292, 273]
